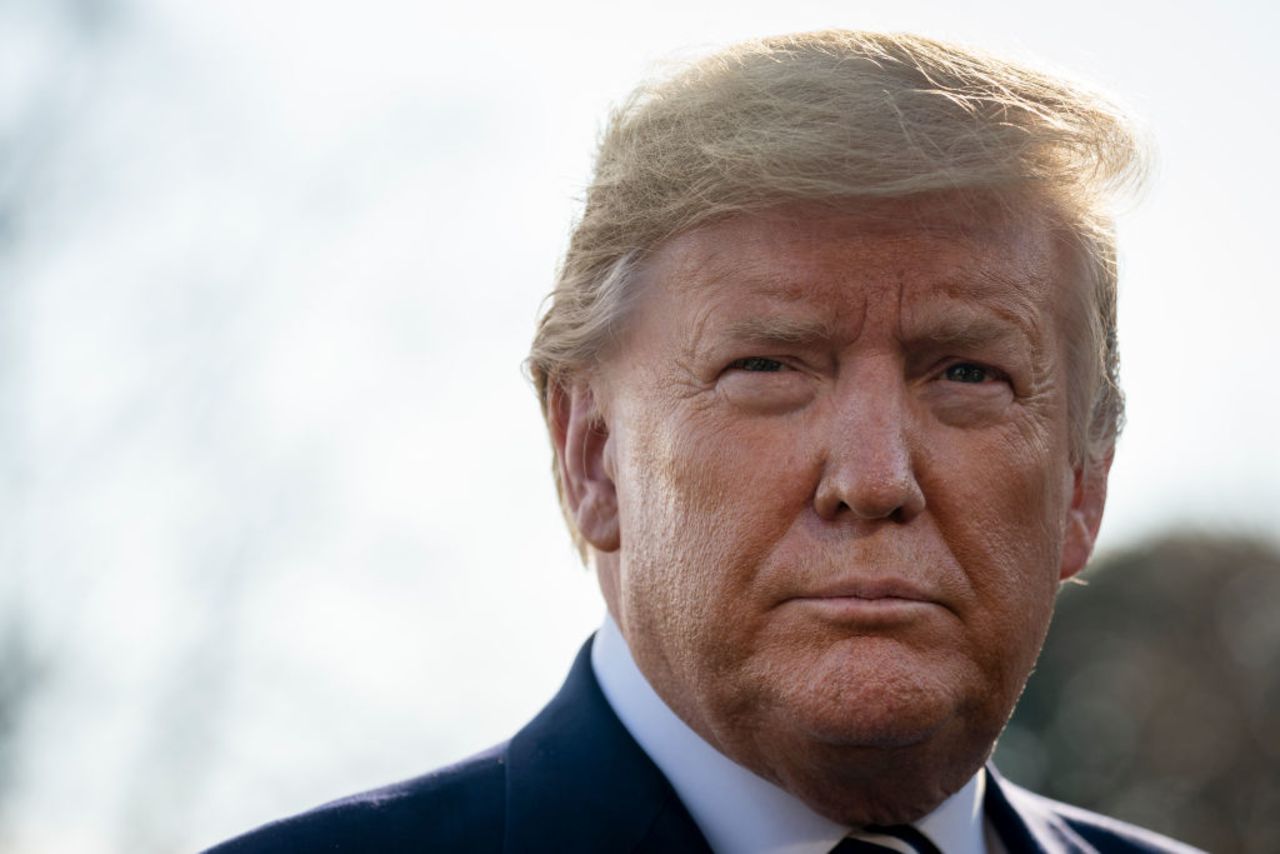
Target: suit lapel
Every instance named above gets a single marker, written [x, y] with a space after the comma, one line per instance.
[1024, 821]
[578, 782]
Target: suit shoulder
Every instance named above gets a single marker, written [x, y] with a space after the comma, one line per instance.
[1106, 834]
[460, 807]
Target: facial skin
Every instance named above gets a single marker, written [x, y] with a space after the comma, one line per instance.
[827, 479]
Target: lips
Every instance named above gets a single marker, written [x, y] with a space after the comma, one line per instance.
[871, 589]
[869, 603]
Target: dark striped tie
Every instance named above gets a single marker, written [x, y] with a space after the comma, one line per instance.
[908, 834]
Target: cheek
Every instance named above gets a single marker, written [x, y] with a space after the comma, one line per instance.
[700, 514]
[1002, 514]
[668, 539]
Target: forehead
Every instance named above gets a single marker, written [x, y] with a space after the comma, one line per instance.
[924, 250]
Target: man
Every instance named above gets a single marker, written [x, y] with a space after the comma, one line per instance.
[830, 372]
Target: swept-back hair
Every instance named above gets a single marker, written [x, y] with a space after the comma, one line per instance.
[839, 116]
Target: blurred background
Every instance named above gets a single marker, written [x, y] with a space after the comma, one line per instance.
[276, 519]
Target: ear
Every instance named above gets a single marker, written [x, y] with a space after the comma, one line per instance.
[584, 456]
[1084, 516]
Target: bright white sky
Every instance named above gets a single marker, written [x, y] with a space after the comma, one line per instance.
[282, 517]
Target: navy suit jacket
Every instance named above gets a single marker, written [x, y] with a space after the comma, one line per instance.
[573, 780]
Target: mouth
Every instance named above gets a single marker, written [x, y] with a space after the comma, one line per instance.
[869, 601]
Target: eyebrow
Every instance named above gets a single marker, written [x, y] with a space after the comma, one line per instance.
[966, 318]
[975, 333]
[780, 330]
[969, 332]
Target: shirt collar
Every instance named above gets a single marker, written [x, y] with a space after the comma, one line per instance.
[736, 810]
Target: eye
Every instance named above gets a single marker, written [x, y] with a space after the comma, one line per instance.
[967, 372]
[757, 364]
[762, 385]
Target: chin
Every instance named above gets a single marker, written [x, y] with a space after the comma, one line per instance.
[890, 783]
[871, 722]
[884, 699]
[884, 742]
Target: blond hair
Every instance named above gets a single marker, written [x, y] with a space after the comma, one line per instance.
[844, 116]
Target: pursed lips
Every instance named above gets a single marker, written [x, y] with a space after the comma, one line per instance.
[875, 599]
[870, 588]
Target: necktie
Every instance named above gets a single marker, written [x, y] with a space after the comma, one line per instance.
[908, 834]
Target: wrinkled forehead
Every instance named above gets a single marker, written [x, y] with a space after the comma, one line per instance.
[969, 246]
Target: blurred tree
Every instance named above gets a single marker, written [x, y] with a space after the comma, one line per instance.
[69, 69]
[46, 47]
[1157, 696]
[21, 671]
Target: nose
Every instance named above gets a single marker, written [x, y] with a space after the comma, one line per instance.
[869, 472]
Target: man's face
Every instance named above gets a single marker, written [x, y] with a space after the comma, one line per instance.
[833, 476]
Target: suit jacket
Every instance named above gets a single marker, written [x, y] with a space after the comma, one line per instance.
[573, 780]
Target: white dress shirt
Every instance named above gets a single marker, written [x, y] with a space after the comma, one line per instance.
[737, 811]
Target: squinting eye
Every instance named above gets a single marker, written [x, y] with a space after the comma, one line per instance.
[967, 372]
[757, 364]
